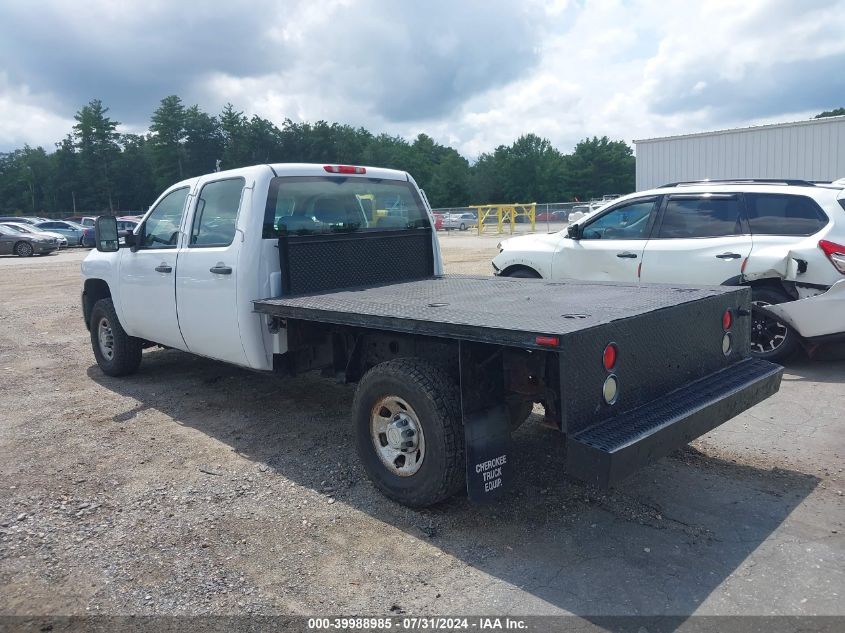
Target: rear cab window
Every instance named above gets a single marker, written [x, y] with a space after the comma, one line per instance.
[316, 205]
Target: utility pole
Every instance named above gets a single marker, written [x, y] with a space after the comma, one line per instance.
[73, 197]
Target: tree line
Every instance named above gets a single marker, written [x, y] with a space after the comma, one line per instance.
[95, 168]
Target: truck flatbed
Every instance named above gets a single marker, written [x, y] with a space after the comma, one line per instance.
[485, 309]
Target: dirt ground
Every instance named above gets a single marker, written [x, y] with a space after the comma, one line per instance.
[194, 487]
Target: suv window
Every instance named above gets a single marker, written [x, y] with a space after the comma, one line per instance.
[161, 228]
[217, 210]
[783, 214]
[627, 222]
[715, 215]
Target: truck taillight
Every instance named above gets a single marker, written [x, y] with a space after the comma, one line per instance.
[835, 253]
[610, 388]
[345, 169]
[609, 356]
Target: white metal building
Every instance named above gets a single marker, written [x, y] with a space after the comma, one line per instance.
[807, 150]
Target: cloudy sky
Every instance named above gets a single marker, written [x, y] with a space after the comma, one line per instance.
[472, 74]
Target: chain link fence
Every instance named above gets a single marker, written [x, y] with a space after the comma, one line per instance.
[549, 217]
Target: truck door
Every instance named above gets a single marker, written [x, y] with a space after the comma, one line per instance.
[611, 244]
[700, 239]
[206, 280]
[148, 275]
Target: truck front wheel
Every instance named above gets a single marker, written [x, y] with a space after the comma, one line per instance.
[408, 431]
[117, 353]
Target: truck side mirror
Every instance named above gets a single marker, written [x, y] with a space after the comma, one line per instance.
[574, 231]
[105, 234]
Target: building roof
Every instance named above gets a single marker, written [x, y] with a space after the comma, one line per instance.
[753, 128]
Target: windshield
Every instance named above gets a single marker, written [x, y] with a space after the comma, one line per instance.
[331, 204]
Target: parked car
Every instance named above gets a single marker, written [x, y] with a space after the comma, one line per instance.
[26, 219]
[127, 224]
[71, 230]
[61, 240]
[88, 236]
[461, 221]
[783, 239]
[551, 216]
[14, 242]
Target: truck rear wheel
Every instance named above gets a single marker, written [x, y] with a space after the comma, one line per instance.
[117, 353]
[408, 431]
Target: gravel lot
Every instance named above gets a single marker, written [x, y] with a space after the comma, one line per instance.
[195, 487]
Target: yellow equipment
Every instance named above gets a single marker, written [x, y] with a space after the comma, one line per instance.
[504, 214]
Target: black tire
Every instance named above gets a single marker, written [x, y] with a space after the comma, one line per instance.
[126, 350]
[766, 332]
[436, 400]
[523, 273]
[463, 226]
[24, 249]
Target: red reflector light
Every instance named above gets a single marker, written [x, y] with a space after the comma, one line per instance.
[727, 320]
[345, 169]
[609, 357]
[835, 253]
[547, 341]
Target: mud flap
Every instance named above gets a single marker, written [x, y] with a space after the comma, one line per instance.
[487, 437]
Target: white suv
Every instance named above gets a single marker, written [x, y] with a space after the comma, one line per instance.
[785, 239]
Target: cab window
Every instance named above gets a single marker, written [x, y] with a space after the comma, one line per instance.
[161, 228]
[627, 222]
[217, 211]
[308, 205]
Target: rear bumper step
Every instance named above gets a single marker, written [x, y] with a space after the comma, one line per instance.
[610, 451]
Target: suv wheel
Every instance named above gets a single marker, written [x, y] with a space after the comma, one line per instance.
[770, 339]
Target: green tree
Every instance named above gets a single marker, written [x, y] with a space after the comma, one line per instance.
[600, 166]
[829, 113]
[96, 139]
[203, 142]
[235, 129]
[168, 133]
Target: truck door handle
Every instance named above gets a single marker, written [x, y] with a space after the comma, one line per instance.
[729, 256]
[627, 255]
[220, 269]
[164, 267]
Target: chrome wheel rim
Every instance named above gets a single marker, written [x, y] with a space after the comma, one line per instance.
[397, 436]
[767, 335]
[105, 338]
[24, 249]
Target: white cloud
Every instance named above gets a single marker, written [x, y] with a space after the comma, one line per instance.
[474, 74]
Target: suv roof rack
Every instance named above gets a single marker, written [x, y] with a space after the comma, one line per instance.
[742, 181]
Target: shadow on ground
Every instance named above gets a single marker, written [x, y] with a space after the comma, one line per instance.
[658, 545]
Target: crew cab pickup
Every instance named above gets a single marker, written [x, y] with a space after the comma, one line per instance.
[279, 268]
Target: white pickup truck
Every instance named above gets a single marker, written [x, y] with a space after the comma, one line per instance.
[289, 268]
